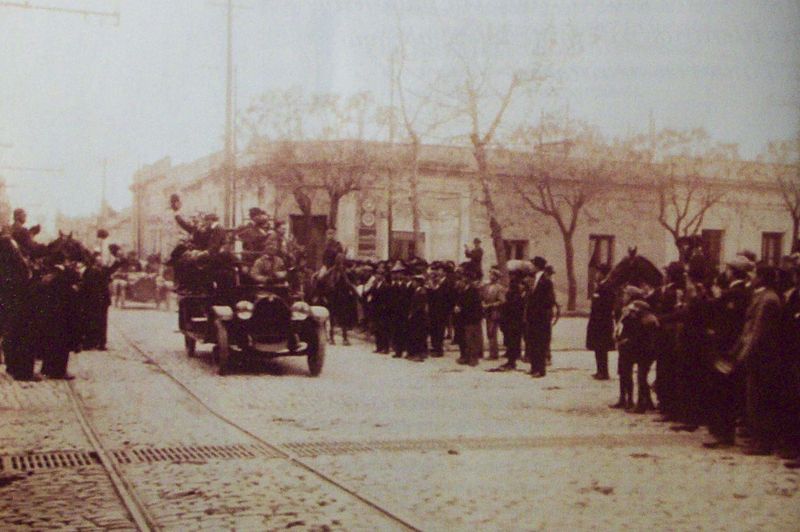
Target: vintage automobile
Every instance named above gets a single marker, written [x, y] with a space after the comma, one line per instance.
[140, 287]
[253, 321]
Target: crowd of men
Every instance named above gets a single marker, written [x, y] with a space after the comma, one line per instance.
[725, 347]
[411, 308]
[54, 300]
[726, 350]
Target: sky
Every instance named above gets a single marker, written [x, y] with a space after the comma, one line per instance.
[77, 91]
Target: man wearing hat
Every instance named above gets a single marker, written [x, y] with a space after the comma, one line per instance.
[665, 302]
[24, 236]
[401, 292]
[378, 297]
[493, 297]
[469, 315]
[758, 353]
[332, 248]
[418, 319]
[475, 257]
[728, 313]
[539, 303]
[513, 315]
[253, 234]
[600, 328]
[440, 306]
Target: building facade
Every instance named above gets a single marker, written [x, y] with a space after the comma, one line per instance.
[376, 220]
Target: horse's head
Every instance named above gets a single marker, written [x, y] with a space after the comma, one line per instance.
[635, 269]
[71, 248]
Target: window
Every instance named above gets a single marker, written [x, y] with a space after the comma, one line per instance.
[516, 249]
[771, 248]
[712, 245]
[401, 244]
[601, 252]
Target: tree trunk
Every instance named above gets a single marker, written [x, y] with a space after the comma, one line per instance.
[496, 230]
[333, 210]
[414, 195]
[569, 259]
[795, 234]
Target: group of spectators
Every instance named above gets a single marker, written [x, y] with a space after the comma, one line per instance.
[54, 300]
[411, 307]
[726, 349]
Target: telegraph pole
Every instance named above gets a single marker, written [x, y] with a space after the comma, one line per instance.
[102, 217]
[390, 174]
[230, 162]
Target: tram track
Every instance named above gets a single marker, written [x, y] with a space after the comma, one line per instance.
[126, 490]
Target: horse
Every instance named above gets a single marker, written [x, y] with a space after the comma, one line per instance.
[333, 289]
[637, 328]
[635, 270]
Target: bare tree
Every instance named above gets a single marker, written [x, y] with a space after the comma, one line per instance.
[782, 160]
[420, 118]
[308, 143]
[562, 181]
[684, 164]
[488, 82]
[343, 168]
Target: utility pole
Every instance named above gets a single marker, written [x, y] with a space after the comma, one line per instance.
[74, 11]
[230, 162]
[103, 211]
[390, 174]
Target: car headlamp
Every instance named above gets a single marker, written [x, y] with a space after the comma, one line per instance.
[301, 310]
[244, 310]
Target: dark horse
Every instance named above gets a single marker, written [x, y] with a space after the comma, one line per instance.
[637, 329]
[635, 270]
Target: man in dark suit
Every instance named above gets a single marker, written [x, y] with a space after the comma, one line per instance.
[758, 354]
[539, 302]
[332, 249]
[254, 233]
[440, 306]
[24, 237]
[475, 256]
[379, 299]
[401, 297]
[600, 329]
[418, 320]
[513, 318]
[95, 296]
[728, 313]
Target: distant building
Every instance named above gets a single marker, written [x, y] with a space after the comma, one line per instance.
[5, 205]
[84, 228]
[749, 216]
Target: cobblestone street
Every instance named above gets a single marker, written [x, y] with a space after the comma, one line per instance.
[434, 445]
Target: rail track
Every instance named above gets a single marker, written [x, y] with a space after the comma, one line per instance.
[144, 520]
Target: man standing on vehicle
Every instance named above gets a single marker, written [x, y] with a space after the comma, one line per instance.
[24, 236]
[254, 233]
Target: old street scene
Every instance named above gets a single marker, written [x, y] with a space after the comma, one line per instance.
[399, 265]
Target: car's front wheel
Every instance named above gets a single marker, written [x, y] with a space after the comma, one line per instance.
[316, 350]
[223, 349]
[191, 345]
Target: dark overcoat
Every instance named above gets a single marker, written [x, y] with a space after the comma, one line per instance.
[600, 329]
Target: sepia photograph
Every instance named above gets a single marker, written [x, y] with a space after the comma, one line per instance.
[427, 265]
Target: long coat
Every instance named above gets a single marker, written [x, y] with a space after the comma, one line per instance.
[600, 329]
[759, 351]
[343, 300]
